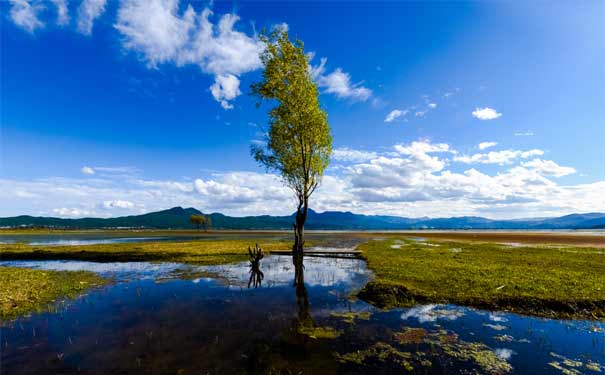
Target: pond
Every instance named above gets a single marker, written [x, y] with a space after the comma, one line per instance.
[170, 318]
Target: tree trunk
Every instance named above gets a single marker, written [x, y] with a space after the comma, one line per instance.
[299, 227]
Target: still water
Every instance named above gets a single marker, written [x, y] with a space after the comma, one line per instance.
[170, 318]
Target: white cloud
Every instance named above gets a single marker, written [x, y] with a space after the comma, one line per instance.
[411, 179]
[87, 170]
[117, 204]
[62, 12]
[350, 155]
[224, 89]
[72, 212]
[25, 14]
[395, 114]
[422, 147]
[548, 168]
[498, 157]
[484, 145]
[528, 133]
[88, 11]
[432, 105]
[486, 113]
[421, 113]
[338, 83]
[159, 34]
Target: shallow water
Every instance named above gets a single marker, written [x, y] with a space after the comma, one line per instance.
[170, 318]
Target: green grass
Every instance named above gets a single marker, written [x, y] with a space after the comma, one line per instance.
[562, 282]
[198, 252]
[25, 290]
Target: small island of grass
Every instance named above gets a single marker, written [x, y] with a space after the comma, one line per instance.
[556, 282]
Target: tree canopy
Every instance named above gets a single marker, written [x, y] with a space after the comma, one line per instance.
[299, 141]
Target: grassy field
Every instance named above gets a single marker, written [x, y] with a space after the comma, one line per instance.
[198, 252]
[565, 282]
[27, 290]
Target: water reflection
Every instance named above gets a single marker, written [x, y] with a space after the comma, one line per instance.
[205, 325]
[256, 275]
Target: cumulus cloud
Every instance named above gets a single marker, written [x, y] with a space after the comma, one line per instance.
[351, 155]
[72, 212]
[62, 12]
[486, 113]
[395, 114]
[87, 170]
[484, 145]
[160, 34]
[498, 157]
[410, 179]
[88, 12]
[117, 204]
[338, 83]
[25, 14]
[224, 89]
[548, 168]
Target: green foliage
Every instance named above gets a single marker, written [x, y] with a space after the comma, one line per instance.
[25, 290]
[201, 221]
[300, 143]
[548, 281]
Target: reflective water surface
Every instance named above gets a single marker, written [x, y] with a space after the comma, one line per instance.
[170, 318]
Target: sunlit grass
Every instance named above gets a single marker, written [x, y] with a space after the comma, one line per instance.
[198, 252]
[561, 282]
[25, 290]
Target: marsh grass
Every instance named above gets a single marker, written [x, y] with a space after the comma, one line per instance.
[563, 282]
[196, 252]
[25, 290]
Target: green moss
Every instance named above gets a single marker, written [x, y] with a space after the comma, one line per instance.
[545, 281]
[379, 351]
[25, 290]
[319, 332]
[435, 345]
[351, 316]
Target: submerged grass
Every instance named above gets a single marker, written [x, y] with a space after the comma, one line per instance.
[567, 282]
[198, 252]
[25, 290]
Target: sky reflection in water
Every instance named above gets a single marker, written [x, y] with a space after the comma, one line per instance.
[151, 319]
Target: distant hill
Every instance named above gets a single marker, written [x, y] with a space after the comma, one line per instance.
[178, 218]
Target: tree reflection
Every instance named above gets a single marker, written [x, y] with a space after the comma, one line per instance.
[302, 298]
[256, 275]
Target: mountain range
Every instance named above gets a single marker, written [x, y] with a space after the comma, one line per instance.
[178, 218]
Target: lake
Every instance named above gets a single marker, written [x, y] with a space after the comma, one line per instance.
[171, 318]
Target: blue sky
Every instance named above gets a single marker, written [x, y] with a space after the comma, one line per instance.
[437, 109]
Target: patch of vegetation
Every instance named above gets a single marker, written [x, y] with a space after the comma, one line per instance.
[544, 281]
[439, 345]
[350, 316]
[24, 290]
[569, 366]
[380, 352]
[324, 332]
[195, 252]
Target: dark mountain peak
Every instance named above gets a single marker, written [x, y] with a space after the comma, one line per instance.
[179, 211]
[178, 217]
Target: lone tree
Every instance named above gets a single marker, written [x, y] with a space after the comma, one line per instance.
[200, 221]
[299, 141]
